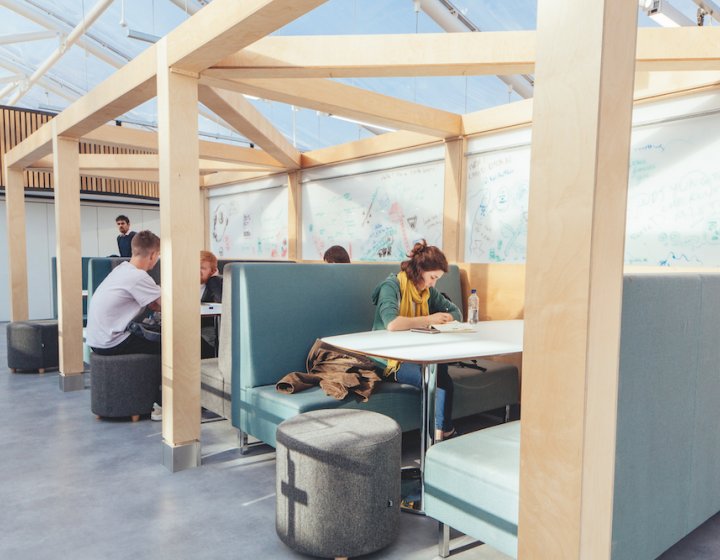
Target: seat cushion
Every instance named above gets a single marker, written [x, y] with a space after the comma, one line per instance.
[266, 408]
[472, 481]
[479, 391]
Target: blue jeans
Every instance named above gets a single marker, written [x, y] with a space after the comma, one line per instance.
[411, 374]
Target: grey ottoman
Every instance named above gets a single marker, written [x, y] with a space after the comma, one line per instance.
[338, 482]
[124, 385]
[32, 345]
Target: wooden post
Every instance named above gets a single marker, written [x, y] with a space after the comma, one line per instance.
[453, 219]
[294, 216]
[17, 244]
[181, 242]
[66, 181]
[578, 189]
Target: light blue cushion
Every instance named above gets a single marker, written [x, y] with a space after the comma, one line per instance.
[471, 484]
[278, 311]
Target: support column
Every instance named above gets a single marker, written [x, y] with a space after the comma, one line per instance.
[453, 220]
[66, 182]
[294, 216]
[17, 243]
[181, 241]
[578, 189]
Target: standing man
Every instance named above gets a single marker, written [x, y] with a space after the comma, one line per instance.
[124, 240]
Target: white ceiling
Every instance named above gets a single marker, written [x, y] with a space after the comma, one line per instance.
[104, 46]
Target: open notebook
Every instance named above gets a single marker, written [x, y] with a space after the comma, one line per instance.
[452, 326]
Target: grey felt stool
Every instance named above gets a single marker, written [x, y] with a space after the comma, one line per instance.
[338, 482]
[124, 385]
[32, 345]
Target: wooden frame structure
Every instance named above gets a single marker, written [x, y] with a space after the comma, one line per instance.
[224, 51]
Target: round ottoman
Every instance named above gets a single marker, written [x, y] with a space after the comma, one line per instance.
[338, 482]
[124, 385]
[32, 345]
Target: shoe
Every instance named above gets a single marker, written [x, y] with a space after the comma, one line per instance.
[156, 414]
[449, 435]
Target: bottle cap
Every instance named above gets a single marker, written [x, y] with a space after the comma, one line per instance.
[473, 291]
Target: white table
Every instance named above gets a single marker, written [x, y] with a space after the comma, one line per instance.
[490, 338]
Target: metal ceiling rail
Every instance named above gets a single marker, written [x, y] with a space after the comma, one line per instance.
[25, 37]
[58, 53]
[447, 16]
[104, 52]
[48, 82]
[709, 7]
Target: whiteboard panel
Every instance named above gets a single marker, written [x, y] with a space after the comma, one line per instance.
[497, 206]
[674, 199]
[673, 210]
[250, 224]
[376, 216]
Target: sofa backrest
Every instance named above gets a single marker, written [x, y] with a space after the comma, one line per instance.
[100, 267]
[84, 265]
[278, 310]
[223, 262]
[668, 441]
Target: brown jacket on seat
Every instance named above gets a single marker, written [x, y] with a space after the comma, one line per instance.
[336, 371]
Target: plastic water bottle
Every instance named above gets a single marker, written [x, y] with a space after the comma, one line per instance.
[473, 307]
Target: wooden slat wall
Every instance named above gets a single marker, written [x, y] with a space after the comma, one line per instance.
[18, 124]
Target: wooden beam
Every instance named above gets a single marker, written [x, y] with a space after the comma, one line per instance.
[678, 48]
[17, 244]
[518, 113]
[453, 217]
[133, 138]
[347, 56]
[350, 102]
[66, 178]
[376, 145]
[223, 178]
[34, 147]
[445, 54]
[181, 242]
[226, 26]
[127, 174]
[579, 175]
[239, 113]
[294, 216]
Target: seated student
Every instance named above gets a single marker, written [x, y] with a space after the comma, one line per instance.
[121, 297]
[336, 254]
[409, 300]
[211, 286]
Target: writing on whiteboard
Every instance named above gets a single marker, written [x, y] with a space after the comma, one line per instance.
[376, 216]
[250, 224]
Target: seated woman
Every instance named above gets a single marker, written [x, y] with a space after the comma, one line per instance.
[409, 300]
[211, 284]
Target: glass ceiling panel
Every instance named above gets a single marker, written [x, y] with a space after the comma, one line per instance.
[106, 46]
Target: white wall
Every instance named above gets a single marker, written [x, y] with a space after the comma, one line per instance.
[98, 237]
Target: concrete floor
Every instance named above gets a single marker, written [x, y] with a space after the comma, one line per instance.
[80, 488]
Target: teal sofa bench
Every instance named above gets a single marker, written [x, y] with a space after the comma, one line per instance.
[273, 313]
[84, 267]
[667, 463]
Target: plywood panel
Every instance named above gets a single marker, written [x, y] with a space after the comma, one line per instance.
[578, 187]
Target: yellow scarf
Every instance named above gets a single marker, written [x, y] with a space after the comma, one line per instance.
[412, 304]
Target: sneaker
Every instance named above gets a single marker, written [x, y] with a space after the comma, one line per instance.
[156, 414]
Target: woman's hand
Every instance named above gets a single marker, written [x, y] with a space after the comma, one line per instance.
[439, 318]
